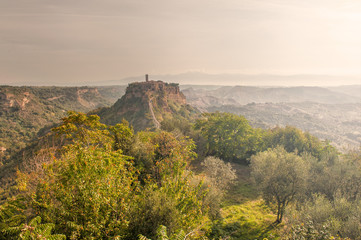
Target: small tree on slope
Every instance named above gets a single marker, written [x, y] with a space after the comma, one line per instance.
[280, 176]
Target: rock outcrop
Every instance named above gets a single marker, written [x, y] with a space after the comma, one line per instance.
[147, 104]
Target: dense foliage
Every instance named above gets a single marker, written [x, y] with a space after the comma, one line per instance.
[26, 110]
[34, 230]
[295, 140]
[107, 182]
[91, 190]
[229, 137]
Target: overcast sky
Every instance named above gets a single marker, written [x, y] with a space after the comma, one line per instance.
[67, 41]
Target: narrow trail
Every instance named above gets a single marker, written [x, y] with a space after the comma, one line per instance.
[156, 123]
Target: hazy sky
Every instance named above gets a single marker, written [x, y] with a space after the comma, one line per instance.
[67, 41]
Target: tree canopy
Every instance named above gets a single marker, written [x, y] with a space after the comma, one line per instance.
[91, 190]
[280, 176]
[228, 136]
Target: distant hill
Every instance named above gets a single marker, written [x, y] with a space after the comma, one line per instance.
[147, 104]
[241, 95]
[25, 110]
[201, 78]
[339, 123]
[352, 90]
[331, 113]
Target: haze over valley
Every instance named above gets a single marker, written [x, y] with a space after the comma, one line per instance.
[330, 113]
[170, 120]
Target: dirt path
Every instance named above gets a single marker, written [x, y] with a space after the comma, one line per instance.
[156, 123]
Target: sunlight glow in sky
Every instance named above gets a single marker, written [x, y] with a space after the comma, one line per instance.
[51, 41]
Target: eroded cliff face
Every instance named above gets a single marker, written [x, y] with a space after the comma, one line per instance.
[25, 110]
[146, 104]
[15, 101]
[31, 98]
[151, 89]
[160, 93]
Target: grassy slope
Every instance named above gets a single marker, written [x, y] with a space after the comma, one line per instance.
[245, 215]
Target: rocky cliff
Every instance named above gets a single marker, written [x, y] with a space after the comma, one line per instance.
[147, 104]
[25, 110]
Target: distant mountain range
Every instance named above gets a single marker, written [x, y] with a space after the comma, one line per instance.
[241, 95]
[199, 78]
[329, 113]
[351, 90]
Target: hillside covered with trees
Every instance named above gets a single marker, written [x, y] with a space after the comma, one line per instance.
[107, 182]
[26, 110]
[195, 176]
[328, 113]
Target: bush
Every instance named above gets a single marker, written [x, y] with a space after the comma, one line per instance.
[220, 174]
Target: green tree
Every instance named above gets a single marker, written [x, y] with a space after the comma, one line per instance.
[88, 193]
[88, 189]
[34, 230]
[123, 136]
[219, 177]
[220, 174]
[228, 136]
[80, 128]
[169, 195]
[177, 123]
[280, 176]
[320, 218]
[295, 140]
[162, 154]
[336, 175]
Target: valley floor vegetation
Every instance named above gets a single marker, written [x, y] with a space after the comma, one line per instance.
[214, 178]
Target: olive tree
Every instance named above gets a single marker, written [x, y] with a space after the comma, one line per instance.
[280, 176]
[219, 177]
[221, 174]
